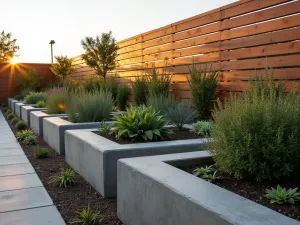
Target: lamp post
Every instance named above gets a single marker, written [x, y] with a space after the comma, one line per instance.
[52, 42]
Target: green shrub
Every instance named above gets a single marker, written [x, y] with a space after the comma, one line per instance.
[21, 125]
[41, 104]
[57, 98]
[24, 134]
[161, 103]
[158, 82]
[90, 107]
[41, 153]
[26, 91]
[87, 217]
[73, 86]
[11, 116]
[15, 120]
[65, 179]
[92, 83]
[141, 123]
[30, 140]
[111, 85]
[19, 97]
[281, 195]
[8, 111]
[181, 115]
[122, 97]
[202, 128]
[258, 135]
[29, 79]
[34, 97]
[140, 91]
[203, 84]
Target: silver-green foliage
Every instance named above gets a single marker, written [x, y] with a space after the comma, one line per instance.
[202, 128]
[34, 97]
[141, 123]
[180, 115]
[66, 178]
[57, 99]
[282, 195]
[258, 135]
[161, 102]
[90, 107]
[104, 129]
[86, 217]
[23, 134]
[41, 104]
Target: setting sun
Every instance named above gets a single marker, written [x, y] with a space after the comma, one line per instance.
[13, 61]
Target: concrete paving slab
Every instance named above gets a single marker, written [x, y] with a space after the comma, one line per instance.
[11, 152]
[16, 169]
[10, 145]
[16, 182]
[13, 160]
[48, 215]
[24, 199]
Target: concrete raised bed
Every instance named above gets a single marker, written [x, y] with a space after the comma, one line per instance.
[9, 102]
[54, 131]
[95, 157]
[26, 109]
[152, 191]
[12, 103]
[36, 120]
[18, 109]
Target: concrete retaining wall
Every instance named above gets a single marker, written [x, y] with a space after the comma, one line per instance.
[54, 131]
[9, 100]
[13, 103]
[18, 109]
[151, 191]
[26, 109]
[95, 157]
[36, 120]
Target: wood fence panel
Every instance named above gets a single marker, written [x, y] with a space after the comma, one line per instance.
[235, 39]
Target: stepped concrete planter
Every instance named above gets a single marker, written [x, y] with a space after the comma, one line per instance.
[152, 191]
[13, 102]
[95, 157]
[36, 120]
[26, 109]
[9, 102]
[54, 131]
[18, 109]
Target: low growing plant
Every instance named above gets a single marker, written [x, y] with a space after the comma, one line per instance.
[19, 97]
[65, 179]
[90, 107]
[141, 123]
[87, 217]
[281, 195]
[203, 85]
[202, 128]
[30, 140]
[208, 173]
[11, 116]
[122, 96]
[180, 115]
[258, 135]
[41, 153]
[24, 134]
[34, 97]
[15, 120]
[21, 125]
[104, 129]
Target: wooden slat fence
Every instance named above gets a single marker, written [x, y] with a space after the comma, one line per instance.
[235, 39]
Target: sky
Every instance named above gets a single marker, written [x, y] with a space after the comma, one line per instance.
[35, 22]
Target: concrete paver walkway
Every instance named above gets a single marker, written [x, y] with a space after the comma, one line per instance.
[23, 198]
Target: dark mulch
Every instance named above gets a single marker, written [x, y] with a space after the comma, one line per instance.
[255, 191]
[183, 134]
[73, 199]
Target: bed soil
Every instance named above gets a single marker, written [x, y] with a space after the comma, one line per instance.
[70, 200]
[255, 191]
[183, 134]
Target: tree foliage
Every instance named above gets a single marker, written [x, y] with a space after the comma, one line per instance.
[8, 47]
[63, 67]
[100, 53]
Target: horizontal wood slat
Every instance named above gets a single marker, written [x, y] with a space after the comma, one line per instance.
[235, 39]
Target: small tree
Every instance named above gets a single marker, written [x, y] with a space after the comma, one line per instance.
[8, 47]
[100, 53]
[63, 67]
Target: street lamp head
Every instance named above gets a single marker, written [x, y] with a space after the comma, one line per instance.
[52, 42]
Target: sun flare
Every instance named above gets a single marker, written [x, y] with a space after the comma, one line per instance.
[13, 61]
